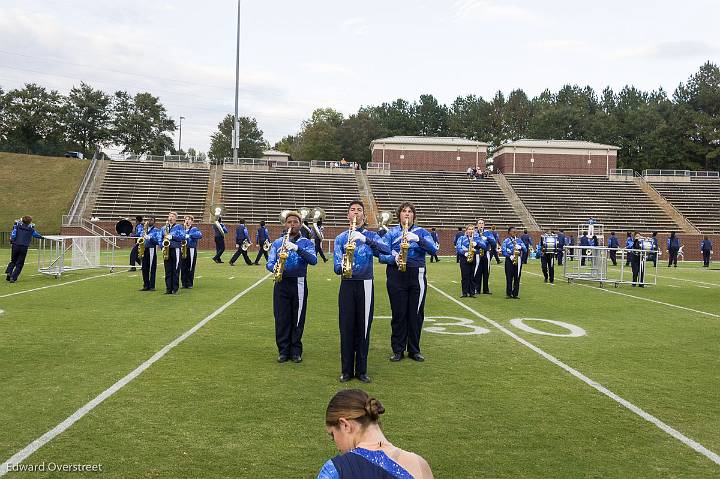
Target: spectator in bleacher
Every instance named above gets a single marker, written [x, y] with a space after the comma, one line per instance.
[584, 241]
[613, 244]
[628, 245]
[317, 237]
[187, 267]
[656, 249]
[591, 226]
[706, 250]
[470, 172]
[511, 245]
[525, 238]
[487, 243]
[407, 289]
[219, 230]
[494, 252]
[242, 243]
[673, 247]
[153, 238]
[561, 246]
[462, 248]
[137, 233]
[22, 234]
[174, 233]
[434, 235]
[458, 235]
[262, 239]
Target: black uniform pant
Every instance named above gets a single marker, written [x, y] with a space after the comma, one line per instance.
[457, 257]
[149, 267]
[172, 270]
[494, 254]
[547, 263]
[289, 306]
[560, 255]
[319, 251]
[355, 303]
[673, 257]
[583, 253]
[525, 254]
[134, 260]
[434, 258]
[638, 269]
[466, 276]
[406, 291]
[219, 247]
[237, 254]
[613, 256]
[187, 268]
[481, 277]
[512, 277]
[17, 261]
[261, 253]
[706, 258]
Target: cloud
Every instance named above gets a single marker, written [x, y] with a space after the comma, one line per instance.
[673, 50]
[490, 11]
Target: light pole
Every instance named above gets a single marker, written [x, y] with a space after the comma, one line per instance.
[180, 137]
[237, 87]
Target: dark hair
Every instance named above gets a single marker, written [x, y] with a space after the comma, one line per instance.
[672, 234]
[138, 219]
[510, 228]
[241, 221]
[612, 233]
[27, 219]
[353, 404]
[654, 233]
[356, 202]
[262, 223]
[403, 205]
[432, 229]
[460, 228]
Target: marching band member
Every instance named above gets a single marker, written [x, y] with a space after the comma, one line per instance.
[548, 250]
[656, 249]
[494, 252]
[527, 240]
[22, 234]
[584, 241]
[407, 282]
[458, 235]
[355, 298]
[188, 262]
[673, 247]
[242, 243]
[613, 244]
[513, 249]
[638, 266]
[706, 249]
[561, 247]
[219, 230]
[486, 243]
[462, 248]
[290, 292]
[175, 234]
[152, 238]
[261, 237]
[628, 245]
[434, 257]
[318, 237]
[137, 233]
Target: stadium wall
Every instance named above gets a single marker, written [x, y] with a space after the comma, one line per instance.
[555, 163]
[429, 160]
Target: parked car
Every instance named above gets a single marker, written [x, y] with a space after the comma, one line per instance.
[74, 154]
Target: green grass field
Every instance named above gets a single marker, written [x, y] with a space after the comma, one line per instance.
[481, 406]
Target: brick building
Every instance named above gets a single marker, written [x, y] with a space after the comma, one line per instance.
[427, 153]
[555, 157]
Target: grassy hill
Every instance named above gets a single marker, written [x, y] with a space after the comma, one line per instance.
[41, 186]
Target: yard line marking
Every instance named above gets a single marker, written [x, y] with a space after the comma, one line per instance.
[672, 286]
[231, 277]
[705, 287]
[58, 284]
[688, 280]
[77, 415]
[594, 384]
[641, 298]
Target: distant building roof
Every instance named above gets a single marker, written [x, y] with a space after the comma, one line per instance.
[427, 140]
[275, 153]
[570, 144]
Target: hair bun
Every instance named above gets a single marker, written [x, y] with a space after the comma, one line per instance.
[374, 408]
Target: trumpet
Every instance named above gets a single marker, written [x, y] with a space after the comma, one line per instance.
[516, 253]
[266, 245]
[348, 257]
[471, 250]
[166, 242]
[404, 246]
[283, 254]
[141, 242]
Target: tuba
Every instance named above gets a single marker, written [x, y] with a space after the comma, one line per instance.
[266, 245]
[141, 241]
[404, 246]
[385, 217]
[245, 245]
[317, 214]
[283, 254]
[166, 242]
[348, 257]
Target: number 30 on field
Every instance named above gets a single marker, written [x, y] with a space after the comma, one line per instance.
[466, 327]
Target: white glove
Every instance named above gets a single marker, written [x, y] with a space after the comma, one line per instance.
[483, 237]
[467, 255]
[291, 246]
[357, 236]
[187, 237]
[147, 237]
[412, 237]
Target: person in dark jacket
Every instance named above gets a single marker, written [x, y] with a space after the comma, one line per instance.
[673, 246]
[527, 240]
[242, 243]
[434, 236]
[219, 231]
[458, 235]
[706, 249]
[613, 244]
[22, 234]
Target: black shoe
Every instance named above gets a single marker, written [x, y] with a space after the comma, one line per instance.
[282, 358]
[364, 378]
[464, 296]
[546, 280]
[417, 357]
[516, 297]
[151, 289]
[231, 264]
[256, 264]
[297, 359]
[396, 357]
[472, 295]
[487, 292]
[345, 378]
[508, 297]
[216, 260]
[168, 292]
[12, 280]
[7, 277]
[133, 269]
[185, 287]
[144, 289]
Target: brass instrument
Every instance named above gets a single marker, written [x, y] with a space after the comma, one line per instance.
[266, 245]
[481, 252]
[348, 257]
[404, 246]
[471, 250]
[385, 217]
[282, 257]
[317, 214]
[219, 227]
[516, 253]
[166, 242]
[245, 245]
[141, 241]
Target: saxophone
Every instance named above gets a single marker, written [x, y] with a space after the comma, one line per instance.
[141, 242]
[404, 246]
[348, 257]
[471, 250]
[184, 247]
[283, 254]
[166, 242]
[516, 253]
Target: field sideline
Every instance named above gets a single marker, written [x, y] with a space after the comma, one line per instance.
[483, 404]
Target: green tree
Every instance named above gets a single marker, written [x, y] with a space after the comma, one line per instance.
[141, 124]
[288, 144]
[320, 136]
[86, 116]
[394, 119]
[469, 117]
[431, 118]
[251, 144]
[516, 115]
[30, 121]
[356, 133]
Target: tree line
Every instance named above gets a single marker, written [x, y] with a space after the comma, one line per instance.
[652, 129]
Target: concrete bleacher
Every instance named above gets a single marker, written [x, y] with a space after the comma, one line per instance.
[133, 188]
[262, 195]
[565, 201]
[444, 199]
[698, 200]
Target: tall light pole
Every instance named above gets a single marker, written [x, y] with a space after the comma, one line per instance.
[237, 88]
[180, 138]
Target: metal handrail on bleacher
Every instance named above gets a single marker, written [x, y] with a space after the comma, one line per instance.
[159, 158]
[622, 172]
[697, 174]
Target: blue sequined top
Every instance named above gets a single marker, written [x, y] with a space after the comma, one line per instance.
[379, 458]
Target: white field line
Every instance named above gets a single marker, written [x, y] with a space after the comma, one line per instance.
[688, 280]
[594, 384]
[58, 284]
[671, 286]
[713, 315]
[77, 415]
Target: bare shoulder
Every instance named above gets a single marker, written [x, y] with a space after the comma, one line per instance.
[416, 465]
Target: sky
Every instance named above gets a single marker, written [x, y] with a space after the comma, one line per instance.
[296, 56]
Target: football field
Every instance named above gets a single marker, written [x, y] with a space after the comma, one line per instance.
[570, 381]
